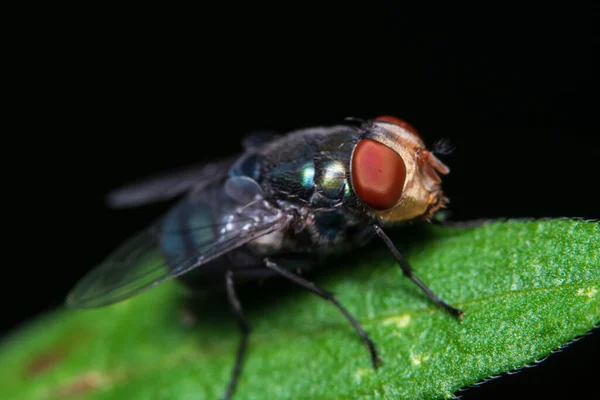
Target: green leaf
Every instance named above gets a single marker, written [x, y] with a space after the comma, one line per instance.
[527, 288]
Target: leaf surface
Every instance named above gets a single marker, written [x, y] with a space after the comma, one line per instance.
[527, 288]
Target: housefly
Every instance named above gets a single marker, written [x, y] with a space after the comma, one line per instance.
[286, 200]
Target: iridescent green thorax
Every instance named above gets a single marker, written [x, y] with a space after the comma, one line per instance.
[312, 168]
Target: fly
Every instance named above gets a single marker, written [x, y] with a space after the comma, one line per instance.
[286, 201]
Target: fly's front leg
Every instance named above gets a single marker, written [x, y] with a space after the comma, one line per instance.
[331, 298]
[408, 272]
[245, 328]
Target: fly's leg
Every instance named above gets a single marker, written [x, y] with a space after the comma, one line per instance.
[408, 272]
[331, 298]
[245, 328]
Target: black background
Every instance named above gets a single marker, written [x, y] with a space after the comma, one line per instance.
[110, 95]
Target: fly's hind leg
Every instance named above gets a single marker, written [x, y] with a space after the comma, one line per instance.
[331, 298]
[245, 328]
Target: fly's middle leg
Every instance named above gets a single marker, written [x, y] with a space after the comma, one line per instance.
[331, 298]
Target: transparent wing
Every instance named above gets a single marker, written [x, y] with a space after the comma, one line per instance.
[185, 239]
[174, 183]
[169, 185]
[134, 267]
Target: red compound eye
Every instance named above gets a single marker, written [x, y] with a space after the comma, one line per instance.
[396, 121]
[378, 174]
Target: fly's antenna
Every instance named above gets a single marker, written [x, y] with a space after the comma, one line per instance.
[443, 146]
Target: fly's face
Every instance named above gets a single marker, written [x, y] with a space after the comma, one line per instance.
[394, 175]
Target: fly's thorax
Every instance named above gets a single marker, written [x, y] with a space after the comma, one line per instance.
[311, 167]
[394, 175]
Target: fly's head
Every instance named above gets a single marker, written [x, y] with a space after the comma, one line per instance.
[394, 175]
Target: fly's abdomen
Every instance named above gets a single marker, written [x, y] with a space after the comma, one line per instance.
[184, 231]
[192, 230]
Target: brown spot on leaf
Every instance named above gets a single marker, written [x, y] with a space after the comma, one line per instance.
[54, 354]
[44, 362]
[81, 385]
